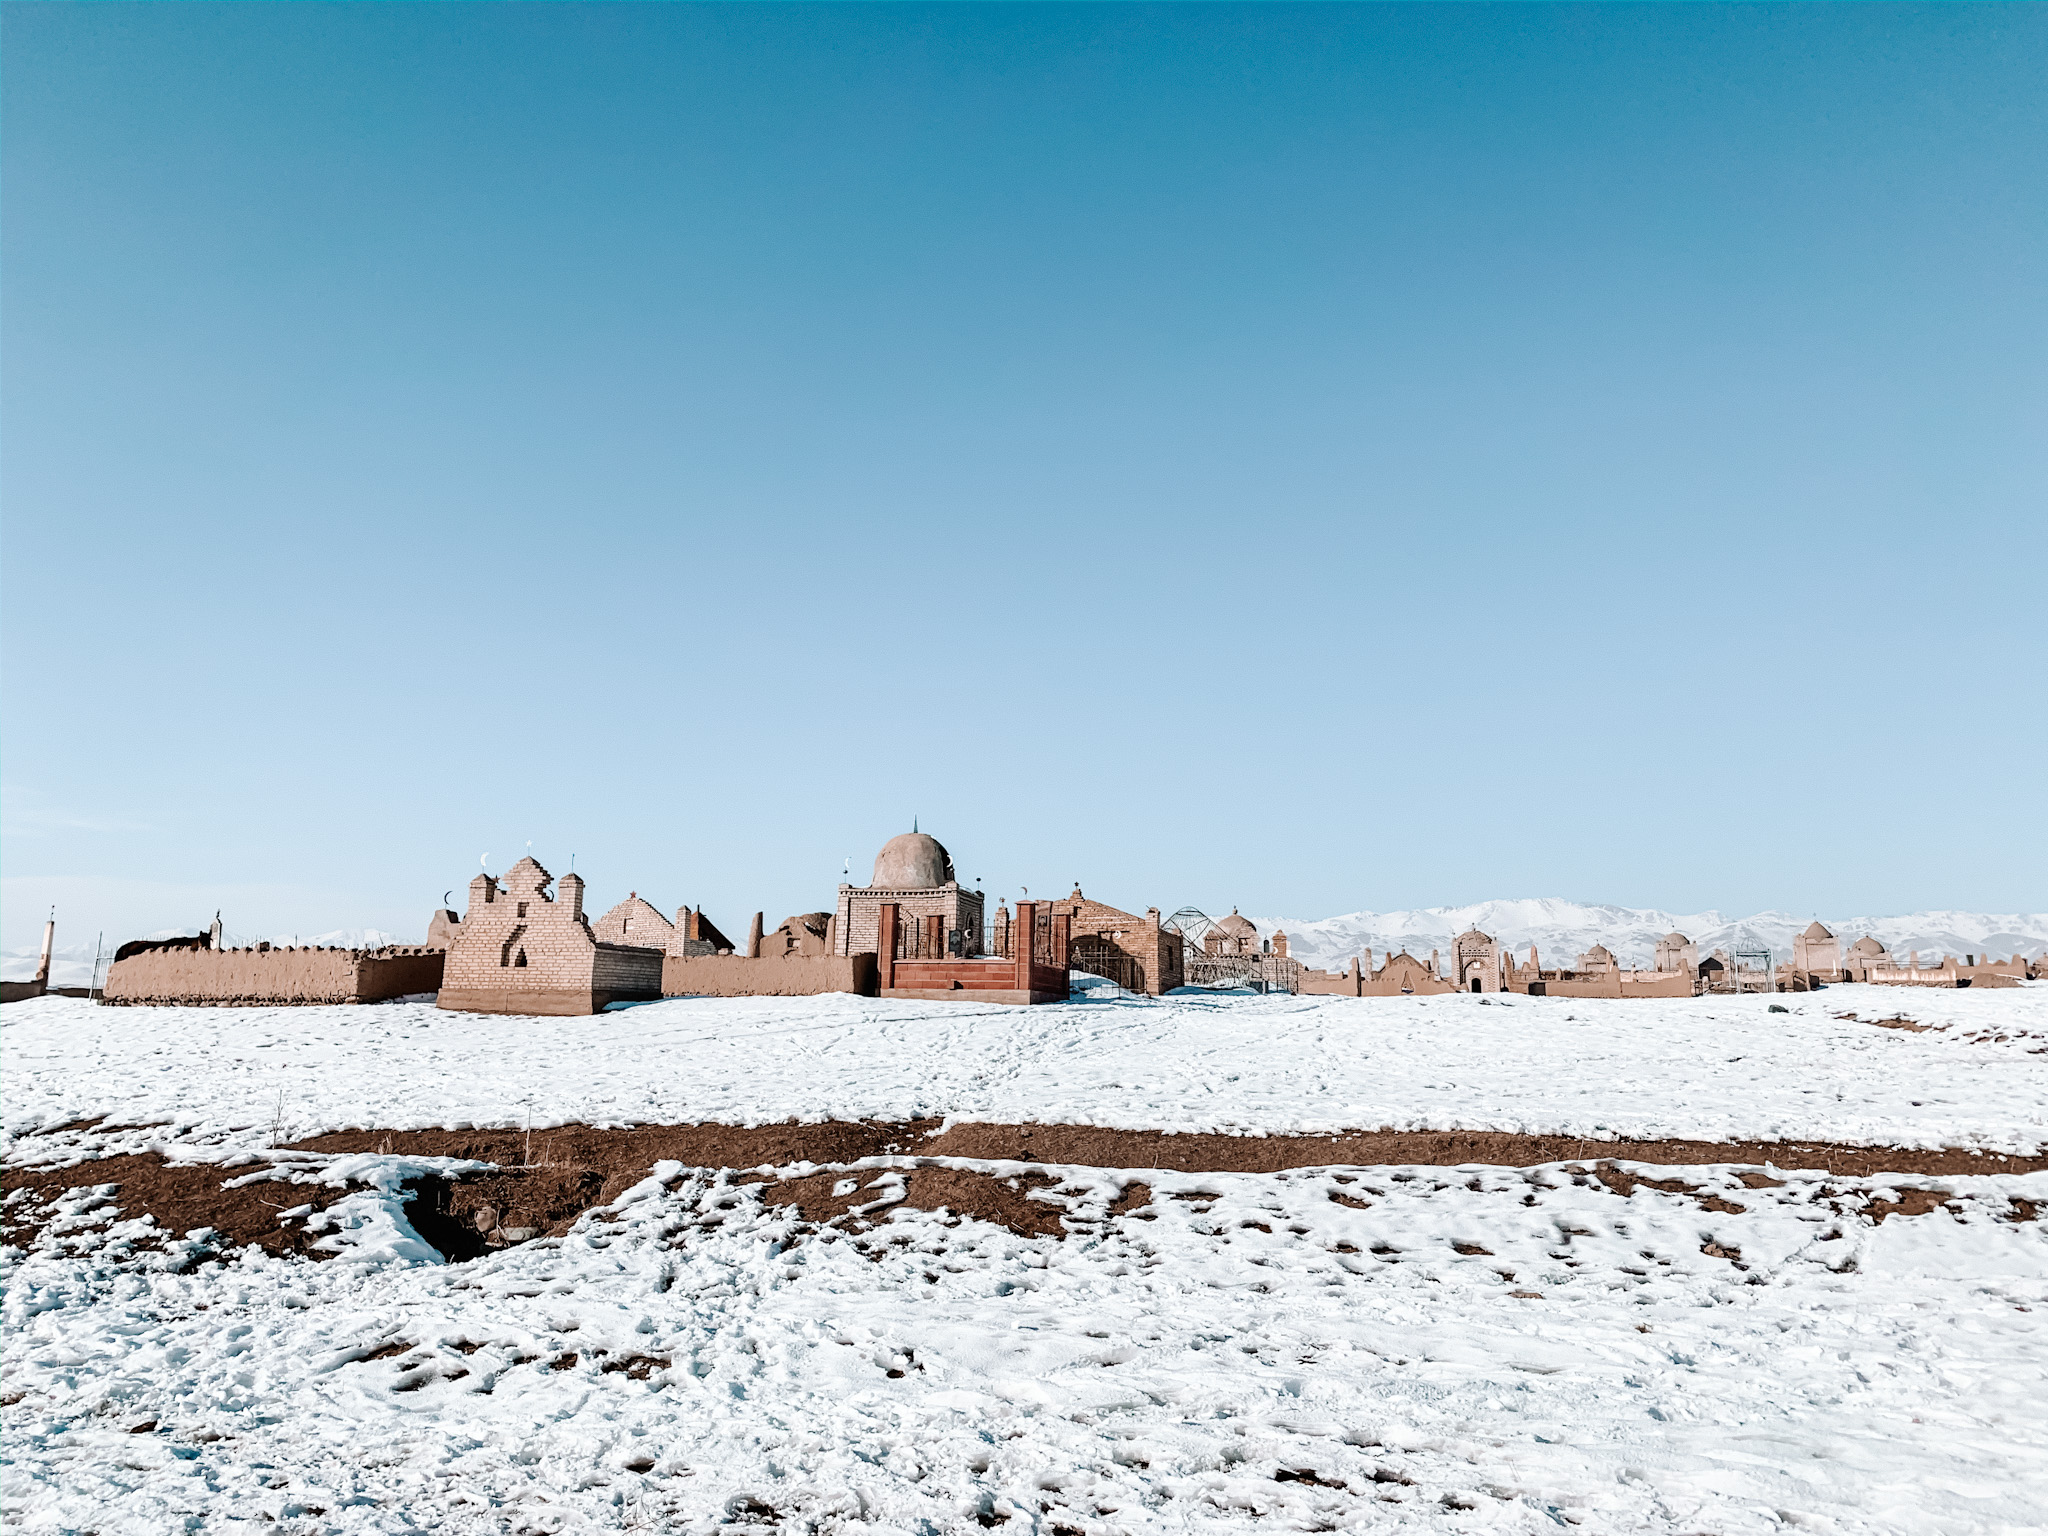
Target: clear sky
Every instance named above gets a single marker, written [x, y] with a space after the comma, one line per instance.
[1304, 459]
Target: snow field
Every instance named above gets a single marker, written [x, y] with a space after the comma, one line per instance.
[1325, 1349]
[1700, 1068]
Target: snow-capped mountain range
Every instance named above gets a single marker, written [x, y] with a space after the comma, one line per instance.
[1562, 929]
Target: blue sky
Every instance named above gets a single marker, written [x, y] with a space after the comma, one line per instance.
[1304, 459]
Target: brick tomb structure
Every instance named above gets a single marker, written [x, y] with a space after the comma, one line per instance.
[914, 959]
[914, 874]
[696, 934]
[1132, 951]
[635, 921]
[520, 950]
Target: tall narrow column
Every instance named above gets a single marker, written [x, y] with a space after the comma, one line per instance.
[885, 944]
[1023, 937]
[43, 965]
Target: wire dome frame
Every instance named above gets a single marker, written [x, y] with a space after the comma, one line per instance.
[1191, 923]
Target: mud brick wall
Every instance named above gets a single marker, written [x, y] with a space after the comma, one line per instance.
[788, 976]
[269, 976]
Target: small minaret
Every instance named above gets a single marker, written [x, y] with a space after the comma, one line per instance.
[754, 937]
[49, 943]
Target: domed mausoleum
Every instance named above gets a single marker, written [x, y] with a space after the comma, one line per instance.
[916, 861]
[915, 872]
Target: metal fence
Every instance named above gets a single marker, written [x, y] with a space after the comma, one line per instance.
[1096, 956]
[922, 939]
[1259, 973]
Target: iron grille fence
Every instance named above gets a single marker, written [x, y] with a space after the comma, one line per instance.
[921, 939]
[1261, 973]
[1098, 957]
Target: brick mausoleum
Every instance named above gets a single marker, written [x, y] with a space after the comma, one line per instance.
[520, 950]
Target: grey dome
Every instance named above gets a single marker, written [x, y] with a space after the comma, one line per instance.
[916, 861]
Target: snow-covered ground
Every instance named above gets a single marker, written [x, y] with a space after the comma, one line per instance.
[1314, 1348]
[1478, 1349]
[1563, 929]
[1716, 1068]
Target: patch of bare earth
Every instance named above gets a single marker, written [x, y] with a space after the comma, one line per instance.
[1088, 1146]
[545, 1181]
[178, 1197]
[1004, 1202]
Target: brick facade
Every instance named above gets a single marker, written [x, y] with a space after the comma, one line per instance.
[1155, 955]
[859, 916]
[1027, 976]
[696, 934]
[635, 922]
[520, 950]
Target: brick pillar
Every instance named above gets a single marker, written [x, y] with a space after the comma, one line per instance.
[885, 944]
[1022, 929]
[934, 938]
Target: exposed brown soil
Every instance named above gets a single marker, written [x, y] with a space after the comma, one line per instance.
[1087, 1146]
[640, 1147]
[577, 1168]
[1911, 1202]
[180, 1197]
[1006, 1202]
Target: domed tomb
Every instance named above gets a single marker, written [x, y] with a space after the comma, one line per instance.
[914, 873]
[915, 861]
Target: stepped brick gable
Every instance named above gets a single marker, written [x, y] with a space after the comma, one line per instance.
[520, 950]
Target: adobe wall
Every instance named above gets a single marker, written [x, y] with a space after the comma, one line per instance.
[782, 976]
[1344, 983]
[269, 976]
[1405, 984]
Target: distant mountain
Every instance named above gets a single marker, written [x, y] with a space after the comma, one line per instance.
[1562, 929]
